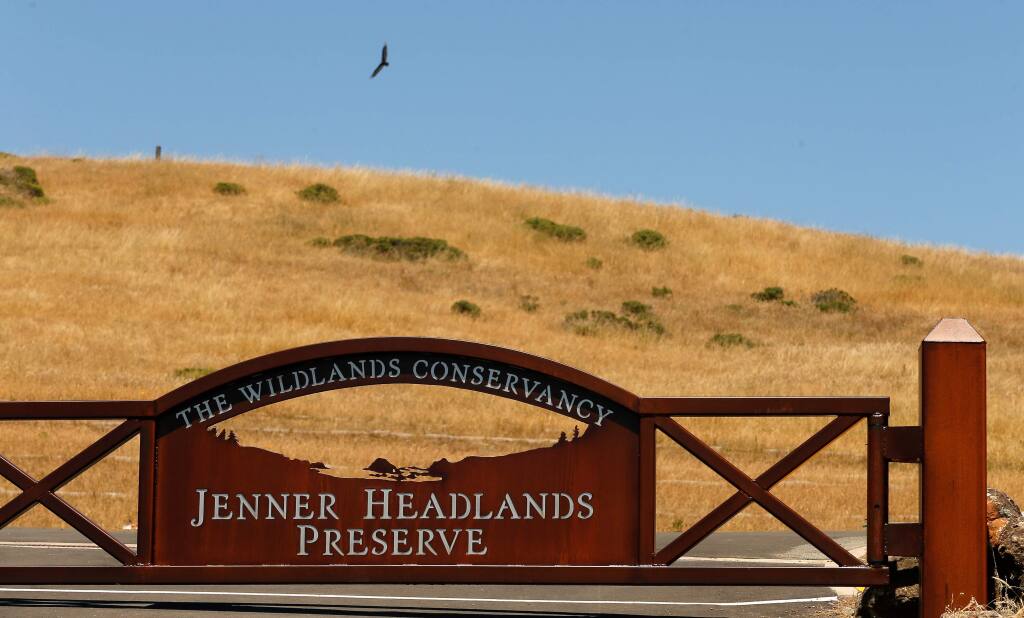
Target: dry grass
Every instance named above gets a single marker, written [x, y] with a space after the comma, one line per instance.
[136, 269]
[1001, 609]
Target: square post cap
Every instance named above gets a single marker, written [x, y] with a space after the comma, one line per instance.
[954, 330]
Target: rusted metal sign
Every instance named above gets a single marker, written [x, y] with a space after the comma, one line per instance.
[573, 502]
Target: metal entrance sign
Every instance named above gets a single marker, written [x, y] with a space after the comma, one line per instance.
[218, 502]
[581, 510]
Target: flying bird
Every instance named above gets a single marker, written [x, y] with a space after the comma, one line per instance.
[383, 61]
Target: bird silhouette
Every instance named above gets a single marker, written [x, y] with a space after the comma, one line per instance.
[383, 61]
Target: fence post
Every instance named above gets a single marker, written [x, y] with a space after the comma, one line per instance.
[953, 481]
[158, 149]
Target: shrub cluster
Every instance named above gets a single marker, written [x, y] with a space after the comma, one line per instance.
[465, 307]
[228, 188]
[772, 294]
[529, 303]
[636, 308]
[768, 295]
[395, 248]
[833, 300]
[911, 260]
[730, 340]
[594, 263]
[591, 321]
[319, 192]
[564, 233]
[648, 240]
[662, 292]
[22, 180]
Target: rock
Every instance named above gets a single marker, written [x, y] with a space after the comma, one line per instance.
[1006, 543]
[903, 599]
[999, 502]
[881, 602]
[1001, 509]
[1008, 555]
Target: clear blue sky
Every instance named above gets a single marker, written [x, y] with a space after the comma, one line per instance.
[897, 119]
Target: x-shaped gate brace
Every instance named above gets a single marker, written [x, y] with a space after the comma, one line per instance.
[749, 490]
[44, 491]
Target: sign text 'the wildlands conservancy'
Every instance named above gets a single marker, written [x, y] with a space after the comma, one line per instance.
[461, 372]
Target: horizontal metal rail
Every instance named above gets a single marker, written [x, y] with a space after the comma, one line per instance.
[646, 406]
[762, 406]
[76, 410]
[462, 574]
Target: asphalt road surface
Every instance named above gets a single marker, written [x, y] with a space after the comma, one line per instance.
[21, 546]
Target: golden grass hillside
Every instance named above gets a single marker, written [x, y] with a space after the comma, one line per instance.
[136, 270]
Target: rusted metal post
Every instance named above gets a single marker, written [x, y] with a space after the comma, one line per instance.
[953, 565]
[147, 474]
[878, 489]
[648, 507]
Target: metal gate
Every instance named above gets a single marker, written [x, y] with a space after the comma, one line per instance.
[950, 442]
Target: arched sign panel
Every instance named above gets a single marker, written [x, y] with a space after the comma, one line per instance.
[574, 502]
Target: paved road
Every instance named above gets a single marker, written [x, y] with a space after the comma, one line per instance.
[19, 546]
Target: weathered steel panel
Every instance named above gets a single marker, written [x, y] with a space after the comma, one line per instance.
[574, 502]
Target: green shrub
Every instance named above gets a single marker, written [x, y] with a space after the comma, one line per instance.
[591, 321]
[636, 308]
[319, 193]
[396, 248]
[662, 292]
[23, 180]
[594, 263]
[529, 303]
[911, 260]
[768, 295]
[320, 241]
[228, 188]
[191, 373]
[587, 322]
[565, 233]
[833, 300]
[648, 240]
[26, 177]
[355, 243]
[10, 202]
[730, 340]
[464, 307]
